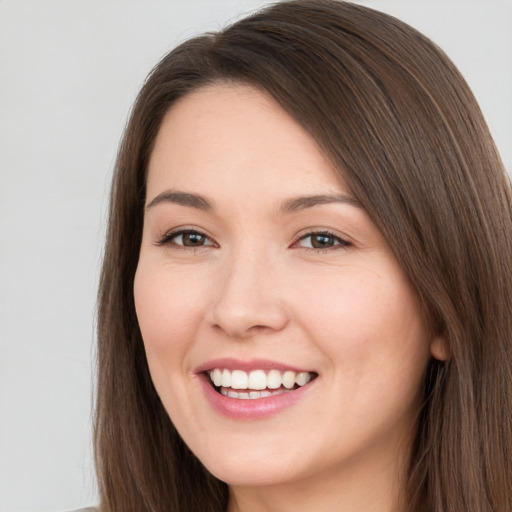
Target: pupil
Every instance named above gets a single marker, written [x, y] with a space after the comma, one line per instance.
[322, 241]
[193, 239]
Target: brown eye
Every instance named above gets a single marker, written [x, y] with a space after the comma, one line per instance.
[193, 239]
[322, 241]
[187, 238]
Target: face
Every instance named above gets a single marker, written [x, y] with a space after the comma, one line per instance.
[282, 336]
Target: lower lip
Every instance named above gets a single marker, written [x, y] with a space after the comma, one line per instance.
[251, 409]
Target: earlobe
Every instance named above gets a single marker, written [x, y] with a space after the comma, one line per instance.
[439, 348]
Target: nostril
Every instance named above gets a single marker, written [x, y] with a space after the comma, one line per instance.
[241, 330]
[245, 308]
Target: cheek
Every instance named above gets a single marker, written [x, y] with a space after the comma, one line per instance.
[371, 328]
[167, 311]
[168, 320]
[377, 346]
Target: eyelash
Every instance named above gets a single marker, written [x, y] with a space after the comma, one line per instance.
[169, 239]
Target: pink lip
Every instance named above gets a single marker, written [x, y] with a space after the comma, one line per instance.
[247, 366]
[248, 410]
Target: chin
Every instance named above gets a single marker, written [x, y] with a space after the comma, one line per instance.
[242, 470]
[250, 476]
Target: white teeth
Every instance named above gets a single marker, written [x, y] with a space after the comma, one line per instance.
[302, 378]
[225, 379]
[217, 377]
[244, 395]
[289, 380]
[274, 379]
[239, 379]
[258, 382]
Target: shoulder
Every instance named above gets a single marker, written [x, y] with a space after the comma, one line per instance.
[90, 509]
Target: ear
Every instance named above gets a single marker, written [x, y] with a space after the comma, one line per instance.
[439, 348]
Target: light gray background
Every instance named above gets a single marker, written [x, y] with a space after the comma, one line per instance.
[69, 71]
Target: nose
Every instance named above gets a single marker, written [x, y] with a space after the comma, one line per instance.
[248, 299]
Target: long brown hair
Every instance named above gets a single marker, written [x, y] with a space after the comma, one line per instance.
[400, 124]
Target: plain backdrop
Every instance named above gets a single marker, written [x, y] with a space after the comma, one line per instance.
[69, 71]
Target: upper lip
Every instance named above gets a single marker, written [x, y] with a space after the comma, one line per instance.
[247, 365]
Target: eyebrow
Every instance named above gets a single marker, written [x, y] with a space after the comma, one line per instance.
[289, 206]
[302, 203]
[182, 198]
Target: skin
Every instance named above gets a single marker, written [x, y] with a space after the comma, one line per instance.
[256, 289]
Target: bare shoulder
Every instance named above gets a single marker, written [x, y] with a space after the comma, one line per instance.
[90, 509]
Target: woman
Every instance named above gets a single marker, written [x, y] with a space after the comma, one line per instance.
[305, 301]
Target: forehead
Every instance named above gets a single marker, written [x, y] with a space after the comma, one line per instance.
[238, 137]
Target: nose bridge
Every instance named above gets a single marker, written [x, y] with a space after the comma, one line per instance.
[248, 299]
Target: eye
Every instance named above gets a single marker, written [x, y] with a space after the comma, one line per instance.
[186, 238]
[321, 240]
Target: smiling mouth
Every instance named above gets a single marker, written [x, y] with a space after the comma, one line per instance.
[257, 383]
